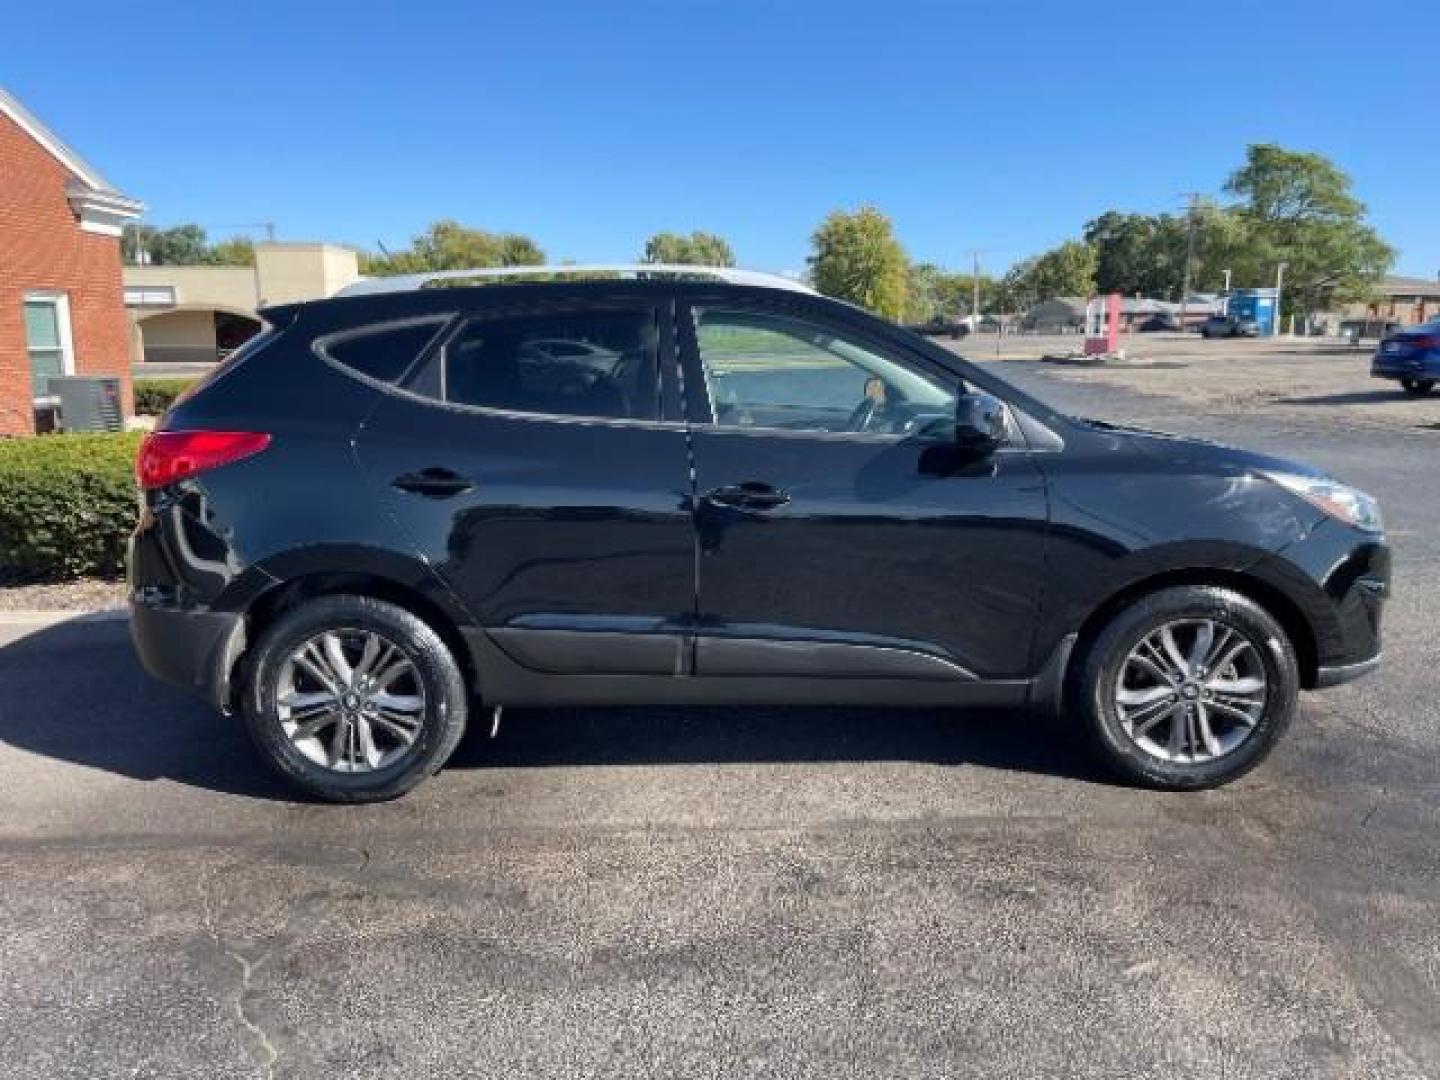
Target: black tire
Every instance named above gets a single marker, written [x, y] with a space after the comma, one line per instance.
[1417, 387]
[1098, 670]
[442, 721]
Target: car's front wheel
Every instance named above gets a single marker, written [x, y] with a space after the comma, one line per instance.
[353, 699]
[1188, 687]
[1417, 387]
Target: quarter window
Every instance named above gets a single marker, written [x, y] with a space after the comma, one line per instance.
[599, 364]
[384, 352]
[767, 370]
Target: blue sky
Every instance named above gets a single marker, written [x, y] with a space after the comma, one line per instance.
[998, 126]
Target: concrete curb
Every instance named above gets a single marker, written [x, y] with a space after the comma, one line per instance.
[33, 619]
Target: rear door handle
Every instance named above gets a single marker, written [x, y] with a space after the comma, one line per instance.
[751, 495]
[434, 483]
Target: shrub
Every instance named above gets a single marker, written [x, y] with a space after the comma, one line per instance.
[154, 396]
[67, 504]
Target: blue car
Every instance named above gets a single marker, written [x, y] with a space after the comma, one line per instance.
[1412, 356]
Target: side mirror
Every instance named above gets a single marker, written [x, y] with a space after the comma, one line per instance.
[981, 426]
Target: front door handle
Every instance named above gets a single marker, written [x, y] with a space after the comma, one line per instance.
[751, 495]
[434, 483]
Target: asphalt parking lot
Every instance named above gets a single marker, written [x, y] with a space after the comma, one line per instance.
[668, 893]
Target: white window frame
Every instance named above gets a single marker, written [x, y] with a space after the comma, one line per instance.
[61, 302]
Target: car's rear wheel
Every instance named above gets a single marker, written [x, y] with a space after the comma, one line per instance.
[353, 699]
[1188, 687]
[1417, 387]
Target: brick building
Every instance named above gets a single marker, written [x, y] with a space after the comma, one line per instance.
[61, 300]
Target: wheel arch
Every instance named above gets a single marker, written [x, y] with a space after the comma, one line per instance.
[1272, 599]
[290, 593]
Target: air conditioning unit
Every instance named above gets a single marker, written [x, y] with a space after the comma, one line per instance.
[87, 402]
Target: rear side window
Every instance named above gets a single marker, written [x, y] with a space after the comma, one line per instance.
[384, 352]
[595, 363]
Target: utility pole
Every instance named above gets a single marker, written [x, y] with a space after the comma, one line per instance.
[1194, 197]
[975, 297]
[1279, 284]
[1227, 282]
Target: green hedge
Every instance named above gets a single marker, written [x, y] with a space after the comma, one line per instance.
[154, 396]
[67, 504]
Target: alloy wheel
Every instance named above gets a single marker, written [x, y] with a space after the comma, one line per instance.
[1191, 691]
[351, 701]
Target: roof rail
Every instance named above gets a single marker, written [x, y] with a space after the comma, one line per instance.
[635, 271]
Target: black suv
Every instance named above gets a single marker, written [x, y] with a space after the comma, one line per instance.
[391, 508]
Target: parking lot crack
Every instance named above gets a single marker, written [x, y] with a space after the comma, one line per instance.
[265, 1054]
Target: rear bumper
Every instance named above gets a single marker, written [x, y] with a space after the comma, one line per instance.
[190, 648]
[1411, 366]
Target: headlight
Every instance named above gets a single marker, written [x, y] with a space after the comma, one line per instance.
[1340, 501]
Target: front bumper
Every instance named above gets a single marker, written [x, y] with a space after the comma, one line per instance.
[195, 649]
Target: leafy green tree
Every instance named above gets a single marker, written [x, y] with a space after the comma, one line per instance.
[857, 258]
[448, 245]
[1016, 291]
[183, 245]
[931, 290]
[518, 250]
[1298, 209]
[237, 251]
[697, 249]
[1137, 253]
[1144, 255]
[1068, 270]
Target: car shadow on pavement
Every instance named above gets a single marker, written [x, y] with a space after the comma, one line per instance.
[75, 692]
[993, 738]
[1352, 397]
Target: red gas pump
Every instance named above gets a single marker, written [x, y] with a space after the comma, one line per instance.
[1102, 325]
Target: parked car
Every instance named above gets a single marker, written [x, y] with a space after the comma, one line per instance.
[1229, 326]
[1412, 357]
[1159, 322]
[942, 326]
[382, 515]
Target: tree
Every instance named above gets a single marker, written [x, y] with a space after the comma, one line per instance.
[1299, 210]
[931, 290]
[448, 245]
[1144, 255]
[1068, 270]
[697, 249]
[1137, 253]
[237, 251]
[183, 245]
[857, 258]
[1016, 292]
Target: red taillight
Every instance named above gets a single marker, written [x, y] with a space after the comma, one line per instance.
[168, 456]
[1422, 341]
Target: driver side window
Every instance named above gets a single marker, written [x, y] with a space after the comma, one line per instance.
[765, 370]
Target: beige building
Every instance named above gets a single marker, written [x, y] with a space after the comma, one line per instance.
[1406, 300]
[190, 314]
